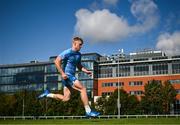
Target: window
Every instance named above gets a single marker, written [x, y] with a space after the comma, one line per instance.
[136, 83]
[51, 68]
[136, 92]
[176, 81]
[178, 91]
[106, 93]
[52, 79]
[112, 84]
[160, 68]
[176, 67]
[105, 71]
[141, 69]
[88, 65]
[124, 70]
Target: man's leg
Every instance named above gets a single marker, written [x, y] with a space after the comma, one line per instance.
[78, 86]
[64, 97]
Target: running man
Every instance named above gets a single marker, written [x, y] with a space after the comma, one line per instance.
[66, 64]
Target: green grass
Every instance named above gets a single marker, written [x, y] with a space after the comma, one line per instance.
[130, 121]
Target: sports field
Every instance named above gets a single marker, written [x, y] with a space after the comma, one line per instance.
[130, 121]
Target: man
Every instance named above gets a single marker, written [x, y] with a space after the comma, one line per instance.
[66, 64]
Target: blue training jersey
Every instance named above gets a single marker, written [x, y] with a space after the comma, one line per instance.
[70, 61]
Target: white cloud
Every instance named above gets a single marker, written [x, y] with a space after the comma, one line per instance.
[169, 43]
[102, 25]
[146, 12]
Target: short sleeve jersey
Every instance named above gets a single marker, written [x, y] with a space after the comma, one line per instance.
[70, 60]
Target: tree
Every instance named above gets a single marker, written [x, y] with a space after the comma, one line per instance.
[129, 103]
[152, 99]
[100, 104]
[133, 105]
[157, 97]
[108, 105]
[7, 105]
[123, 100]
[168, 96]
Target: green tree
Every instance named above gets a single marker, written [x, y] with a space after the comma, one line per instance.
[7, 105]
[31, 104]
[108, 105]
[123, 100]
[152, 99]
[168, 96]
[158, 97]
[133, 105]
[100, 104]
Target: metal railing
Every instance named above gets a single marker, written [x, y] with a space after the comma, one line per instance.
[84, 117]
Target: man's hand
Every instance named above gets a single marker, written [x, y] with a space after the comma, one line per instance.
[85, 70]
[89, 73]
[64, 76]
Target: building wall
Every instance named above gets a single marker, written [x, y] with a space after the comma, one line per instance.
[38, 76]
[108, 85]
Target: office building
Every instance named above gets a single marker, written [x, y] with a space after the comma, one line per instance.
[131, 72]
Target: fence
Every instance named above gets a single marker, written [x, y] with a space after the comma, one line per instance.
[84, 117]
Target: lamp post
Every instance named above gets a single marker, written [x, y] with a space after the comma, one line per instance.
[23, 106]
[118, 100]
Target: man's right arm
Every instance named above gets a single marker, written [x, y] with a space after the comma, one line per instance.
[58, 62]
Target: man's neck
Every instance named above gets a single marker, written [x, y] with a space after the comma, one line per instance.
[73, 49]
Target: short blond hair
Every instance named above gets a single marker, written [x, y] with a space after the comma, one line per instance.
[78, 39]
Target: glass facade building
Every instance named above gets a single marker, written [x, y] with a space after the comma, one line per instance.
[41, 75]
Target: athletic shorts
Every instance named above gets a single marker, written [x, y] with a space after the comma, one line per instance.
[69, 81]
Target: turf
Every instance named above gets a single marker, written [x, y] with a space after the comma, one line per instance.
[130, 121]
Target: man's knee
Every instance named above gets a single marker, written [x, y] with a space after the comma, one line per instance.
[65, 99]
[83, 89]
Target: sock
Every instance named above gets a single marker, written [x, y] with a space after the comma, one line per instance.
[50, 95]
[87, 108]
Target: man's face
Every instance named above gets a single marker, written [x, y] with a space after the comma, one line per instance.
[77, 45]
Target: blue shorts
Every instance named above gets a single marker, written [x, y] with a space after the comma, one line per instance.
[69, 81]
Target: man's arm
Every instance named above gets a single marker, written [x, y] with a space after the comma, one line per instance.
[58, 62]
[80, 67]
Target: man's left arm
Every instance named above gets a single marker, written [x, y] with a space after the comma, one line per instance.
[80, 67]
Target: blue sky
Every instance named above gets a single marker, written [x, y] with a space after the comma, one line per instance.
[37, 29]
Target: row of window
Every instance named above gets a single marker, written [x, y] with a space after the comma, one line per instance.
[137, 70]
[136, 83]
[112, 84]
[31, 87]
[131, 93]
[14, 71]
[178, 91]
[107, 93]
[176, 81]
[22, 78]
[43, 68]
[136, 92]
[177, 102]
[104, 71]
[40, 85]
[88, 84]
[115, 84]
[35, 77]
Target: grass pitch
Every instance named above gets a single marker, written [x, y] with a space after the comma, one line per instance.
[130, 121]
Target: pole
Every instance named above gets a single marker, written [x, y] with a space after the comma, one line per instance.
[118, 100]
[23, 92]
[23, 107]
